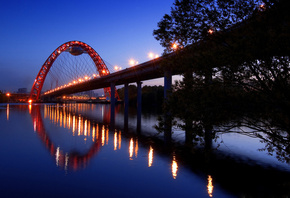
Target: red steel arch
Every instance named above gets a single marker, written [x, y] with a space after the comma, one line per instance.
[40, 78]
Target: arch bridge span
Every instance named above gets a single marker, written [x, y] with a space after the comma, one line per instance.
[75, 48]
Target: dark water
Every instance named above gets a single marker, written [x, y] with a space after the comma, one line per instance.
[73, 150]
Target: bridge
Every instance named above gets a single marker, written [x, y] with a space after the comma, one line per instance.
[104, 79]
[145, 71]
[267, 32]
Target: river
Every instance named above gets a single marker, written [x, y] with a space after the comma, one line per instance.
[74, 150]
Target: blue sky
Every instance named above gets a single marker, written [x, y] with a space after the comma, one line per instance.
[31, 30]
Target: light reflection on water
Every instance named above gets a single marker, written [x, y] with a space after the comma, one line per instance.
[150, 157]
[209, 186]
[81, 143]
[174, 167]
[7, 111]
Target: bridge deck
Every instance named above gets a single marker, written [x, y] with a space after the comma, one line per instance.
[145, 71]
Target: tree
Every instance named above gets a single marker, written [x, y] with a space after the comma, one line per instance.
[152, 96]
[3, 97]
[191, 21]
[132, 93]
[220, 53]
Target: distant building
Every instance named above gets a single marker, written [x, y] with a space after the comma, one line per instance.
[22, 90]
[89, 93]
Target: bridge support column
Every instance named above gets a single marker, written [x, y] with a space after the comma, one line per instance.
[113, 100]
[126, 105]
[167, 84]
[167, 115]
[139, 105]
[208, 136]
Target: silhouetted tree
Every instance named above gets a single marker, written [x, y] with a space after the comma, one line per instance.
[3, 97]
[226, 63]
[132, 89]
[152, 96]
[193, 20]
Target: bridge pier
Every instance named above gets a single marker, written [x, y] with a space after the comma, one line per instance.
[167, 115]
[208, 136]
[167, 84]
[126, 98]
[126, 105]
[139, 105]
[113, 101]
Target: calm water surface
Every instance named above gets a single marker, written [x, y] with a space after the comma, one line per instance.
[73, 150]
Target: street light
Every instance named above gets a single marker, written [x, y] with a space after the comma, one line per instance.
[210, 31]
[133, 62]
[151, 55]
[262, 7]
[116, 68]
[174, 46]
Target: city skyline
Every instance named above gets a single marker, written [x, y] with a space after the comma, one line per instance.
[32, 30]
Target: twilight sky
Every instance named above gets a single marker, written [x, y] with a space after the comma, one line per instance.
[30, 30]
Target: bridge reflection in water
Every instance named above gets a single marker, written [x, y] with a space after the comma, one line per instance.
[77, 138]
[78, 126]
[68, 117]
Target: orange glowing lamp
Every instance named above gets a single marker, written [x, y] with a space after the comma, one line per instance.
[133, 62]
[210, 31]
[151, 55]
[174, 46]
[262, 7]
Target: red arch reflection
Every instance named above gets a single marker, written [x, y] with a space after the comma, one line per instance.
[66, 160]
